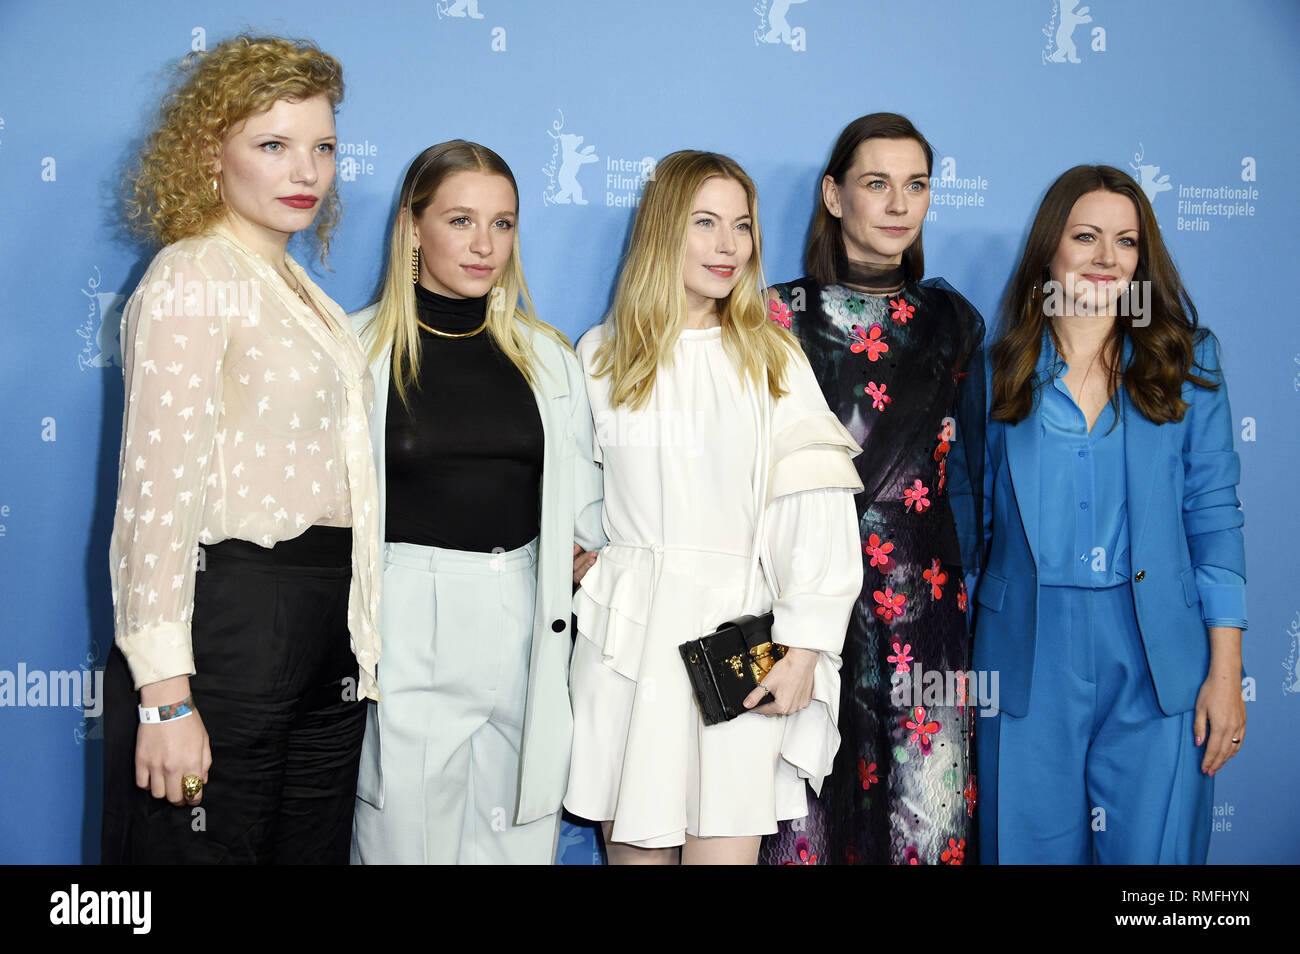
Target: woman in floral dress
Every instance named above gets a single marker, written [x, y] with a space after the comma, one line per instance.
[899, 361]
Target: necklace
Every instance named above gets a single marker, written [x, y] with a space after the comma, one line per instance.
[297, 290]
[452, 334]
[296, 287]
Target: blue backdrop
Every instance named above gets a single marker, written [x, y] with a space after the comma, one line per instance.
[1196, 99]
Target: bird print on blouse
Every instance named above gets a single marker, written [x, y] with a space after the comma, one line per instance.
[246, 418]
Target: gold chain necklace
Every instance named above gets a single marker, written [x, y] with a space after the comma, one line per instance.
[452, 334]
[296, 287]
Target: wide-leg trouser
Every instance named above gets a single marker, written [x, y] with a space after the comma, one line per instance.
[276, 687]
[1095, 772]
[440, 771]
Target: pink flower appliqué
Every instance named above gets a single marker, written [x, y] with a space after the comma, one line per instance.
[804, 850]
[891, 604]
[867, 774]
[916, 495]
[779, 312]
[922, 728]
[936, 578]
[877, 394]
[902, 310]
[901, 657]
[879, 553]
[869, 341]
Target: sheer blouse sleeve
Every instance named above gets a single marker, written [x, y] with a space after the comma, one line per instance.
[174, 347]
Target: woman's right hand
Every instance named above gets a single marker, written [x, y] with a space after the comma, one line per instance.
[168, 751]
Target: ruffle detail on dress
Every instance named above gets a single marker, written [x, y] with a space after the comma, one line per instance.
[622, 577]
[812, 453]
[812, 735]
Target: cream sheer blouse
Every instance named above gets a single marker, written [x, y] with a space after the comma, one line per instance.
[246, 418]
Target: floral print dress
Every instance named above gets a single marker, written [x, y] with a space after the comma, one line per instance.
[904, 374]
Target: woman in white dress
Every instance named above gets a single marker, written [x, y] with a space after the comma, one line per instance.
[717, 447]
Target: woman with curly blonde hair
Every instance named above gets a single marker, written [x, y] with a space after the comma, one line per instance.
[245, 455]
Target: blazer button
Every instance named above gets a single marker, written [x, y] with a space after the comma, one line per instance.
[558, 626]
[1141, 575]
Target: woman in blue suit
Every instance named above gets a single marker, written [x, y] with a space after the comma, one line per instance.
[1114, 596]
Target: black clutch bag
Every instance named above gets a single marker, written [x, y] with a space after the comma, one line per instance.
[726, 666]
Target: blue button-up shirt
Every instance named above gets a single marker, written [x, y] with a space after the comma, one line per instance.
[1083, 515]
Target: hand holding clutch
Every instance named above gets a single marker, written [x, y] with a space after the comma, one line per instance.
[788, 687]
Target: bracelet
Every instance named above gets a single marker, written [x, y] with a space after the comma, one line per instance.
[150, 715]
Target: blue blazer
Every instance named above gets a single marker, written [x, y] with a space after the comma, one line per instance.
[1183, 513]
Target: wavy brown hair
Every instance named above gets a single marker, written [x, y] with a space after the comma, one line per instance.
[1163, 347]
[824, 257]
[169, 194]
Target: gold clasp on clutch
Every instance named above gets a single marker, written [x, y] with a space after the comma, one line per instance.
[764, 659]
[737, 664]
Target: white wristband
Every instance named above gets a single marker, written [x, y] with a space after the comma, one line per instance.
[152, 715]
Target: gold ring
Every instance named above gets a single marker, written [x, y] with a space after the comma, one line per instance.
[191, 785]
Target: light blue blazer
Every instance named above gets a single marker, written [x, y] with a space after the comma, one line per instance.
[572, 494]
[1183, 514]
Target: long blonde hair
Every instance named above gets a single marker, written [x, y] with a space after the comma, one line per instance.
[650, 303]
[511, 319]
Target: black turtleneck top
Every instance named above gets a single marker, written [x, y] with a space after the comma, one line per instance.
[464, 456]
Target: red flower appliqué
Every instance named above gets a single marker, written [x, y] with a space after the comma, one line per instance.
[936, 578]
[961, 597]
[911, 856]
[971, 794]
[804, 850]
[867, 774]
[891, 604]
[955, 853]
[901, 657]
[877, 394]
[916, 495]
[943, 476]
[779, 312]
[902, 311]
[869, 341]
[945, 438]
[922, 728]
[879, 553]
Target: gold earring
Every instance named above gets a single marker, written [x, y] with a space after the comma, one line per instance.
[415, 266]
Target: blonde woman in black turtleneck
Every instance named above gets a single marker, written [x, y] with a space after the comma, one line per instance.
[488, 499]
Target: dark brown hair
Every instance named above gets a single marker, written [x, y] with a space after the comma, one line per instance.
[1163, 342]
[825, 253]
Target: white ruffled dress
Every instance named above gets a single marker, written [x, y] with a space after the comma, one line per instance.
[687, 479]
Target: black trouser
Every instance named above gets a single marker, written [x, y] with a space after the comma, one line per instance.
[276, 687]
